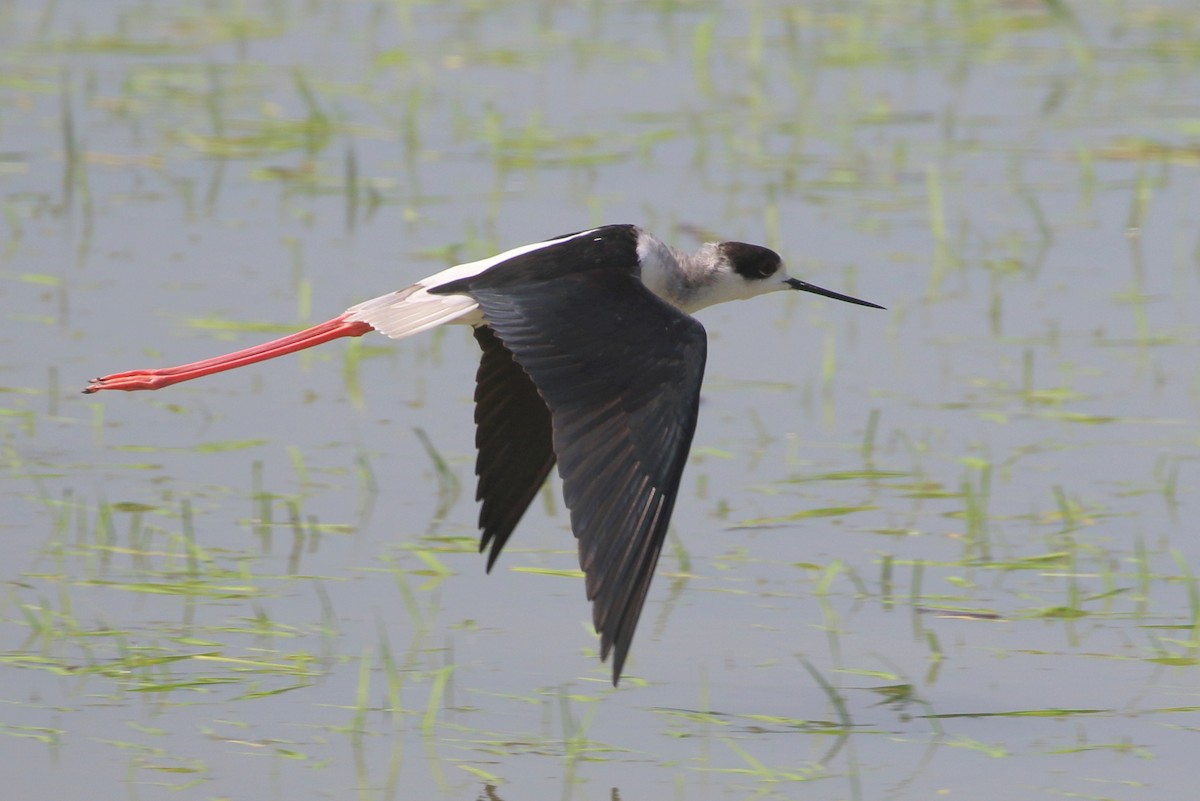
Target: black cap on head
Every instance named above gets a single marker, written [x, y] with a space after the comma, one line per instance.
[752, 262]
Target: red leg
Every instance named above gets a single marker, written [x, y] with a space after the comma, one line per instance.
[166, 376]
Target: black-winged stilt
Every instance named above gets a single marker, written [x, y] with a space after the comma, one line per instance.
[591, 358]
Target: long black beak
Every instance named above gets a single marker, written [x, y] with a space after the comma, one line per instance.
[804, 286]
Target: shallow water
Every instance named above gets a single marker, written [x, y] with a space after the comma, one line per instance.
[945, 549]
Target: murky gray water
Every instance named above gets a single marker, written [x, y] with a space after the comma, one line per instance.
[260, 584]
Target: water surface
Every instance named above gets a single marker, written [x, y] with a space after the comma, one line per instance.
[945, 549]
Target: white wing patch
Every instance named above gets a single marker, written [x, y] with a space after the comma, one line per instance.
[412, 310]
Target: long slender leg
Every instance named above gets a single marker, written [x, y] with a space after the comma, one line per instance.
[166, 376]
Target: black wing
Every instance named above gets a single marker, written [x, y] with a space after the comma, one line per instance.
[512, 434]
[620, 370]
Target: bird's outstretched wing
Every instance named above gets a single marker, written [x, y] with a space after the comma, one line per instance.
[620, 371]
[513, 437]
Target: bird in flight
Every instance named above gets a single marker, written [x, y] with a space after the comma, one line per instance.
[591, 359]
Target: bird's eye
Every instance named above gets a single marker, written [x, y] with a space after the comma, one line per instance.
[766, 267]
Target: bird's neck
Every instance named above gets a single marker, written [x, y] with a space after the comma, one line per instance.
[678, 278]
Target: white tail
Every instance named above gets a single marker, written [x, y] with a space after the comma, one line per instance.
[412, 310]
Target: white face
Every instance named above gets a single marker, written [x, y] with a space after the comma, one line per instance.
[728, 285]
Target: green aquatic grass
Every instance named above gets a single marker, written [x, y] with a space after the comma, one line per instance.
[804, 514]
[262, 137]
[786, 122]
[449, 487]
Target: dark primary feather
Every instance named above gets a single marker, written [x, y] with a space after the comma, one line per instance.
[512, 434]
[623, 392]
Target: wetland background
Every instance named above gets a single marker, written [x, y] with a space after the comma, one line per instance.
[948, 549]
